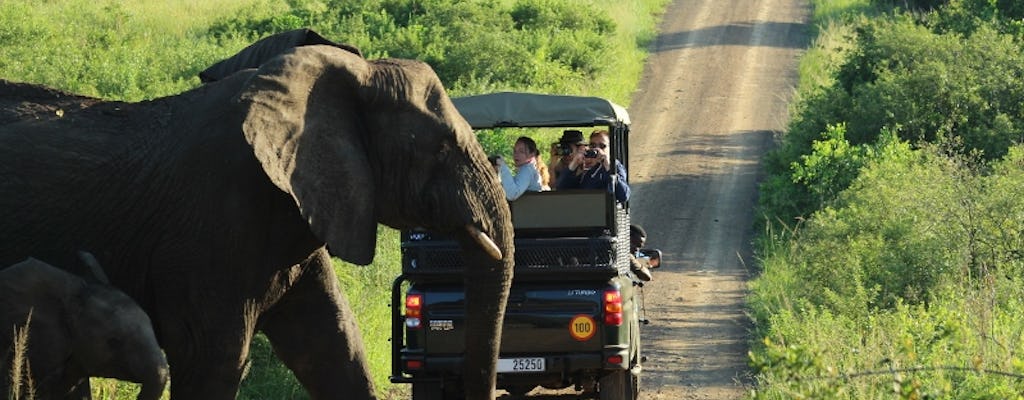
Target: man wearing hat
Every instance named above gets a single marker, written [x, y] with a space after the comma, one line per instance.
[562, 152]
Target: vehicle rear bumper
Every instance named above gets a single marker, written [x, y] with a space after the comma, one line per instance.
[558, 367]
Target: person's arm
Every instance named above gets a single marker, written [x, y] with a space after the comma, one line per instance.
[507, 180]
[622, 191]
[516, 186]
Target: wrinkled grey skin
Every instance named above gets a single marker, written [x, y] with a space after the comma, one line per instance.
[212, 208]
[77, 330]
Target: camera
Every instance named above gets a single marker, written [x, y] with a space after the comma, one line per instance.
[590, 154]
[562, 149]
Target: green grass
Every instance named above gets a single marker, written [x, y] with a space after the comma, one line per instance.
[907, 284]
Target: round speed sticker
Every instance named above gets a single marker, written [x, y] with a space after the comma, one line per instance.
[582, 327]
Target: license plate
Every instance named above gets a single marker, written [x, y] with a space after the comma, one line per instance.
[525, 364]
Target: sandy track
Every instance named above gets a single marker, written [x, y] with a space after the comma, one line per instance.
[715, 91]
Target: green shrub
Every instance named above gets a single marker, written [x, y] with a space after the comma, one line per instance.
[967, 16]
[935, 88]
[904, 279]
[961, 93]
[911, 4]
[545, 45]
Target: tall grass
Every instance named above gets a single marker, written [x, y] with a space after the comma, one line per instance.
[22, 382]
[835, 10]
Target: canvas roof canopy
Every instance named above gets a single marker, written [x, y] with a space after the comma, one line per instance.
[512, 109]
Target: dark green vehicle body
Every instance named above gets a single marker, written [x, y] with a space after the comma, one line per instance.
[575, 308]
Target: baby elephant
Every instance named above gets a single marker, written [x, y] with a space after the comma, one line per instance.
[76, 330]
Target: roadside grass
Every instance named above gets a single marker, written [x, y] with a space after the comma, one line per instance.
[835, 10]
[147, 49]
[960, 346]
[908, 284]
[636, 22]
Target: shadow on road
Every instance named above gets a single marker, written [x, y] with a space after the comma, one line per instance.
[786, 35]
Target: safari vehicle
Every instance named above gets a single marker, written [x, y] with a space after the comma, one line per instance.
[575, 308]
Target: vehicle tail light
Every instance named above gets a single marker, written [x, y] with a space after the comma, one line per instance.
[413, 365]
[616, 359]
[612, 307]
[413, 311]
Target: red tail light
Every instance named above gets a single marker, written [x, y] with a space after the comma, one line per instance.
[413, 311]
[612, 307]
[413, 364]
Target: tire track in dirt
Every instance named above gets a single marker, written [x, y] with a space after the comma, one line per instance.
[715, 91]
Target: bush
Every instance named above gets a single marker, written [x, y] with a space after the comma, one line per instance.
[545, 45]
[935, 88]
[904, 281]
[967, 16]
[961, 93]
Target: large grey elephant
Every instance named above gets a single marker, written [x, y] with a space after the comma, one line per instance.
[74, 330]
[215, 209]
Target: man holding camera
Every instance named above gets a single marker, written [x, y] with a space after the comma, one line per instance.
[593, 168]
[562, 153]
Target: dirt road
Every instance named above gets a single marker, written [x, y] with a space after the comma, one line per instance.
[715, 91]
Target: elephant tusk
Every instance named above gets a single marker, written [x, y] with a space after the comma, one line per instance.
[484, 241]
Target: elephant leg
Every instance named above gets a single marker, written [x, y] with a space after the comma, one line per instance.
[314, 332]
[210, 363]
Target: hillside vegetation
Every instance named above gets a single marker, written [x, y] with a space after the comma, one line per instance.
[134, 51]
[892, 245]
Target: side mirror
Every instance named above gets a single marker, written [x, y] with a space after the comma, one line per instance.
[653, 257]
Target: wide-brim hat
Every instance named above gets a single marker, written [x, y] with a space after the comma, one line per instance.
[571, 136]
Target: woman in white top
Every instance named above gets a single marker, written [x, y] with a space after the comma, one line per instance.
[526, 156]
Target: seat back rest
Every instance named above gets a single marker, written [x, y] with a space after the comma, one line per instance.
[562, 209]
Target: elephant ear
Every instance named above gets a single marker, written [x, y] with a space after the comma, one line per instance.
[301, 117]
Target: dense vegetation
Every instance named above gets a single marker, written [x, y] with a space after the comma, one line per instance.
[893, 232]
[134, 51]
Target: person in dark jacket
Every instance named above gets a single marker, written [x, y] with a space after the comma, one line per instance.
[562, 153]
[594, 169]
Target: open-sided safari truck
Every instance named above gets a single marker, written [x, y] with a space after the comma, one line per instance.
[575, 308]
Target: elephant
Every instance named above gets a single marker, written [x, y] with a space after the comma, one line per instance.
[74, 329]
[218, 209]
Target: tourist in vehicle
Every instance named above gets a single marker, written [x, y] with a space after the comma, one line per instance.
[545, 174]
[594, 168]
[526, 157]
[562, 152]
[637, 238]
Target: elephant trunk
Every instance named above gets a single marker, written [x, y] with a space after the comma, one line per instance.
[487, 279]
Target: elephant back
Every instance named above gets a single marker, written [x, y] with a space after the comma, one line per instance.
[23, 101]
[269, 47]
